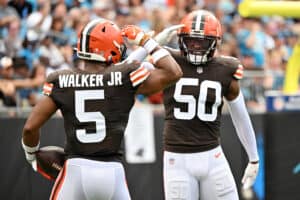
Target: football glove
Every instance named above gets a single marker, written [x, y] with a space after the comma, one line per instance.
[250, 175]
[167, 34]
[30, 155]
[135, 35]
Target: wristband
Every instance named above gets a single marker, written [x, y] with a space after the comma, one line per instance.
[150, 45]
[29, 149]
[157, 55]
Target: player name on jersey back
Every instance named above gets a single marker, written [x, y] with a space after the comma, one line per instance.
[89, 80]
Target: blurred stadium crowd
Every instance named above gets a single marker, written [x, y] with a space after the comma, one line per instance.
[38, 37]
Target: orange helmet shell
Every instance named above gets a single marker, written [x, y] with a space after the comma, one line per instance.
[101, 40]
[202, 23]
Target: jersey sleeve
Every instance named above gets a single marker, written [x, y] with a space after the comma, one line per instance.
[47, 88]
[235, 67]
[49, 83]
[239, 72]
[139, 75]
[51, 88]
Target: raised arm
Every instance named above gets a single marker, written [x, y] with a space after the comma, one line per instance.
[166, 70]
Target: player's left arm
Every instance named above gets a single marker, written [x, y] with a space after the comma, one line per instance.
[166, 70]
[41, 112]
[161, 38]
[245, 131]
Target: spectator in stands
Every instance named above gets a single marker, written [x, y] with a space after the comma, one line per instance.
[23, 7]
[103, 9]
[74, 23]
[252, 40]
[21, 69]
[7, 90]
[57, 31]
[12, 42]
[51, 51]
[32, 85]
[134, 3]
[30, 50]
[253, 52]
[7, 14]
[141, 18]
[266, 49]
[123, 16]
[39, 22]
[60, 10]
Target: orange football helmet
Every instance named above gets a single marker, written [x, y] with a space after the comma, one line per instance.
[199, 36]
[101, 40]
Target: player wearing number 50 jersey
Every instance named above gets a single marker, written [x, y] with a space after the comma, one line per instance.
[194, 163]
[95, 103]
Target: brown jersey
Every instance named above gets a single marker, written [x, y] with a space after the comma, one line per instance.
[194, 104]
[95, 107]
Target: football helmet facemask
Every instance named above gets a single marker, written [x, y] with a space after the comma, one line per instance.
[199, 37]
[101, 40]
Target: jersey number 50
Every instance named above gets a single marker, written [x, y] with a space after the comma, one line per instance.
[191, 101]
[80, 97]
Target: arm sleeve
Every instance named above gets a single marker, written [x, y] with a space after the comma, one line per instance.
[243, 126]
[139, 55]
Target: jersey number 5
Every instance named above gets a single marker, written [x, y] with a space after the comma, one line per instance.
[80, 97]
[191, 101]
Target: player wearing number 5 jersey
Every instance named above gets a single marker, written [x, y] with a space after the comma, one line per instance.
[194, 163]
[95, 103]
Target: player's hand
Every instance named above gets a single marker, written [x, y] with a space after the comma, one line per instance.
[250, 175]
[30, 155]
[167, 34]
[31, 159]
[135, 35]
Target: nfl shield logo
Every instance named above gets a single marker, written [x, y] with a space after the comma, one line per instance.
[199, 70]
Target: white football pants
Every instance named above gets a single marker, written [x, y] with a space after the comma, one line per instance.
[188, 176]
[83, 179]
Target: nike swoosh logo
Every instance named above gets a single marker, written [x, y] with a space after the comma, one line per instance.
[217, 155]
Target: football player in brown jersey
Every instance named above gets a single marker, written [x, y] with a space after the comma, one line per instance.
[194, 164]
[95, 103]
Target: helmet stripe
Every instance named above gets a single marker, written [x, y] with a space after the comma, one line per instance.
[85, 33]
[202, 22]
[194, 21]
[80, 42]
[87, 45]
[198, 22]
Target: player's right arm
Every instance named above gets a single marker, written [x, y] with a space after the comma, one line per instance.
[41, 112]
[166, 70]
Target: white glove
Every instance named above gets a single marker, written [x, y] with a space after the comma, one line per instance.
[167, 34]
[30, 155]
[31, 159]
[250, 175]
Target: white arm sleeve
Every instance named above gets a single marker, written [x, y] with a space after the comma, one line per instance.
[139, 54]
[243, 126]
